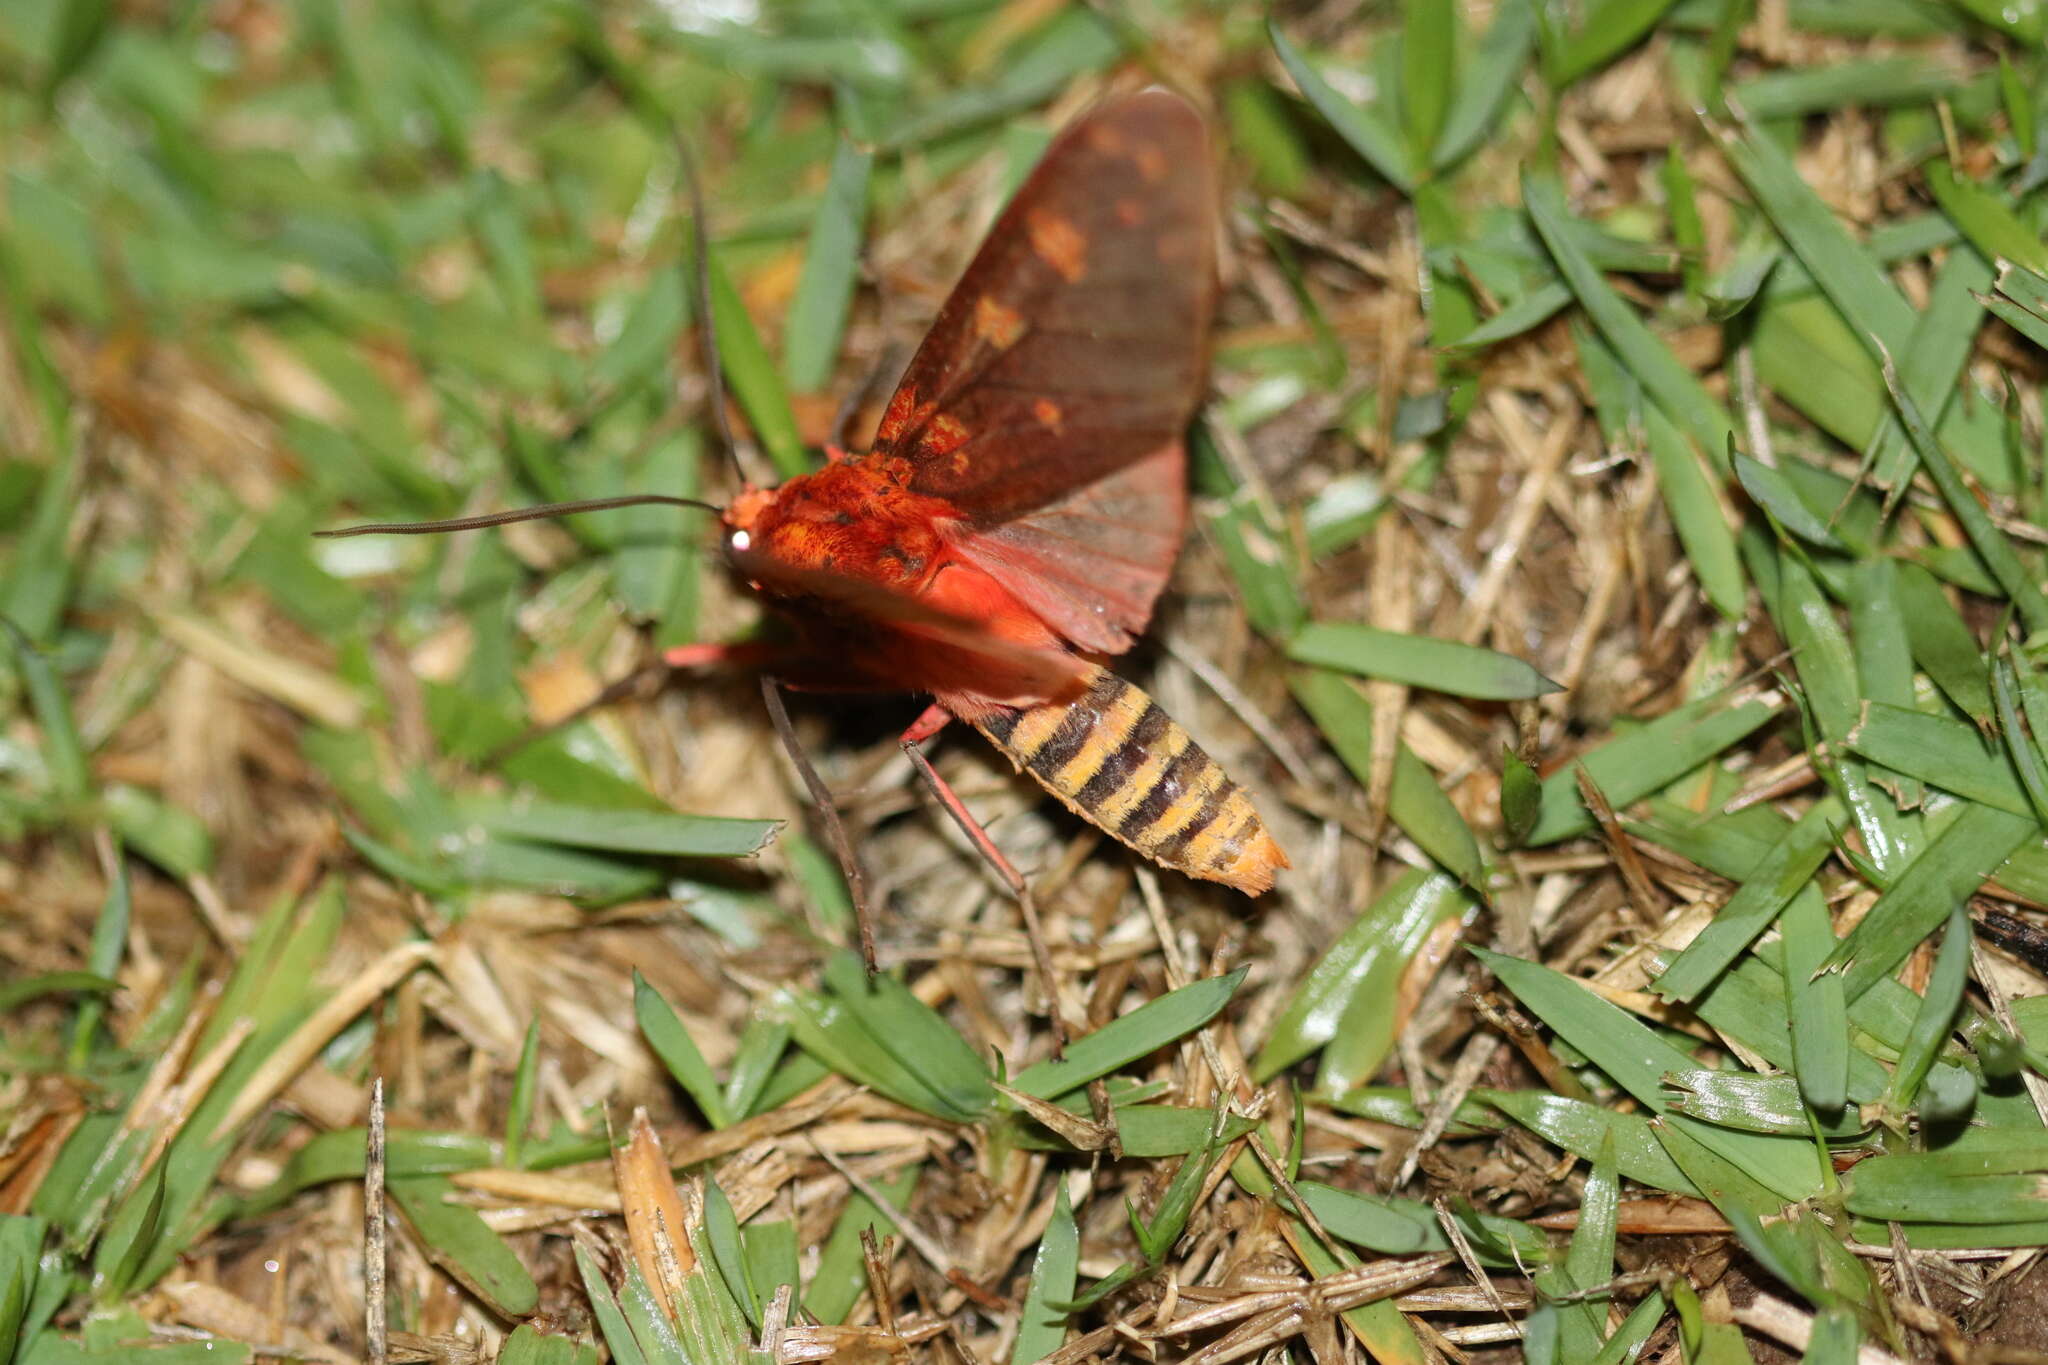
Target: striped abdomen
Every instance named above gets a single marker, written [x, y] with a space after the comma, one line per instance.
[1121, 763]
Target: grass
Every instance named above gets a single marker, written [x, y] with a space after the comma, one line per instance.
[1617, 568]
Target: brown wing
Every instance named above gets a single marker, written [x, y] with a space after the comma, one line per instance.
[1073, 348]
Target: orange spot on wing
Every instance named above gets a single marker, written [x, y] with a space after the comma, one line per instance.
[1129, 212]
[1058, 243]
[997, 323]
[1047, 412]
[1151, 163]
[897, 419]
[1106, 139]
[944, 435]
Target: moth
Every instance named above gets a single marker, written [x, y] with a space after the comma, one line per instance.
[1025, 497]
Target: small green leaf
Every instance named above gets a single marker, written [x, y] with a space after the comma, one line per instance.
[1947, 873]
[1521, 798]
[722, 1231]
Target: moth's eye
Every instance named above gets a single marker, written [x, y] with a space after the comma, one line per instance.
[741, 542]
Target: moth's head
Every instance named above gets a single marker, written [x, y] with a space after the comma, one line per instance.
[742, 518]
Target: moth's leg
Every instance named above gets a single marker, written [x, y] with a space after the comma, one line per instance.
[835, 829]
[935, 719]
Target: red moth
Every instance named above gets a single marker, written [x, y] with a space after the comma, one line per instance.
[1026, 497]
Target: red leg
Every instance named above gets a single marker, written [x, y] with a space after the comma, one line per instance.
[935, 719]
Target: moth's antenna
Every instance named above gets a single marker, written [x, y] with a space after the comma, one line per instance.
[546, 509]
[707, 329]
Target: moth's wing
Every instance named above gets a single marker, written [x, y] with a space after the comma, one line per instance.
[864, 637]
[1049, 399]
[1092, 563]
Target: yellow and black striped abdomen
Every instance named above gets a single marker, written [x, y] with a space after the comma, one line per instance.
[1120, 762]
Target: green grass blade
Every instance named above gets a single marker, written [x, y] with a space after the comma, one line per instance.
[1429, 71]
[109, 942]
[1418, 660]
[519, 1107]
[1874, 82]
[64, 756]
[458, 1240]
[1489, 82]
[914, 1033]
[653, 832]
[1352, 986]
[1145, 1029]
[1770, 490]
[1947, 872]
[1990, 543]
[1262, 561]
[1645, 760]
[1751, 1103]
[1816, 1008]
[1682, 478]
[1676, 389]
[672, 1043]
[1422, 809]
[1935, 1020]
[1607, 29]
[722, 1232]
[1788, 866]
[1522, 316]
[1371, 134]
[841, 1274]
[753, 377]
[1840, 265]
[1054, 1268]
[1942, 642]
[1638, 1059]
[824, 292]
[1926, 1188]
[1986, 220]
